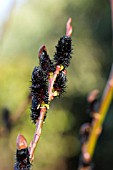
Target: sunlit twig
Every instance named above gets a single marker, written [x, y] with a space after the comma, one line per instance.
[96, 127]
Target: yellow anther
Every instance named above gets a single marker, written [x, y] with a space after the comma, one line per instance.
[50, 74]
[55, 93]
[61, 67]
[45, 105]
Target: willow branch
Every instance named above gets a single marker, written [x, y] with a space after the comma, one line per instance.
[37, 135]
[40, 120]
[89, 146]
[52, 79]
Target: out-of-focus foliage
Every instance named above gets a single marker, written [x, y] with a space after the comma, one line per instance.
[43, 22]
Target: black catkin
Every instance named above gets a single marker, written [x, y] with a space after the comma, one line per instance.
[45, 62]
[22, 160]
[60, 83]
[63, 51]
[40, 75]
[39, 87]
[39, 91]
[35, 110]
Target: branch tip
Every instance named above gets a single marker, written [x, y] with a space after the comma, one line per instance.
[69, 27]
[21, 142]
[42, 48]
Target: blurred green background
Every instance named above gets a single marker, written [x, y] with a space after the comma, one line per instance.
[24, 27]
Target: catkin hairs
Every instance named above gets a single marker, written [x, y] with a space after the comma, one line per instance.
[63, 51]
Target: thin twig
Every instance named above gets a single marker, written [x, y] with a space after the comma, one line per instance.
[40, 120]
[52, 79]
[37, 135]
[106, 99]
[89, 146]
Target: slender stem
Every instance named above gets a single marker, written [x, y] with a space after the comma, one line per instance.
[37, 134]
[52, 80]
[89, 146]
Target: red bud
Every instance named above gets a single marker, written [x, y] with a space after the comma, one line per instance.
[69, 27]
[42, 48]
[21, 142]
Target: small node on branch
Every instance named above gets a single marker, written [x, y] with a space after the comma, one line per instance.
[84, 132]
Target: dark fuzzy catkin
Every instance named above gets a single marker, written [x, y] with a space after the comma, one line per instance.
[60, 83]
[63, 51]
[35, 110]
[45, 62]
[22, 160]
[39, 91]
[39, 87]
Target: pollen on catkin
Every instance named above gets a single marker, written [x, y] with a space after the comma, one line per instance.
[60, 83]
